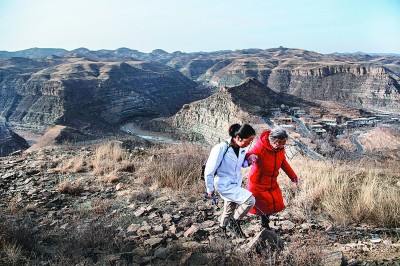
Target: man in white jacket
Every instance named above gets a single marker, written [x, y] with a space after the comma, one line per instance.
[224, 172]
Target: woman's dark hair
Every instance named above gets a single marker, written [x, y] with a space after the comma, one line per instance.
[243, 132]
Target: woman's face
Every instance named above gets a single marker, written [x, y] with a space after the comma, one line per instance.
[243, 143]
[279, 144]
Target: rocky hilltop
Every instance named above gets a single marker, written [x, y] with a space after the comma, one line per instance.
[87, 206]
[207, 120]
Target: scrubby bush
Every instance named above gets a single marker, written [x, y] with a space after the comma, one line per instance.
[175, 166]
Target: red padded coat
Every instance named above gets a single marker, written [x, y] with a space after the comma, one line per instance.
[263, 176]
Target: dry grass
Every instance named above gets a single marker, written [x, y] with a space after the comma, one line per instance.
[177, 167]
[379, 139]
[73, 165]
[348, 192]
[13, 253]
[13, 205]
[141, 194]
[17, 241]
[108, 157]
[101, 206]
[107, 161]
[111, 178]
[362, 191]
[70, 187]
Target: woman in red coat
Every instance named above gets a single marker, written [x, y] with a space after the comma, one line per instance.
[269, 156]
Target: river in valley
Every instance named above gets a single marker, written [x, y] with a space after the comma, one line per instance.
[134, 129]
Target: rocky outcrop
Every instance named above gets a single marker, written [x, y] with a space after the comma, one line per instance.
[208, 120]
[9, 141]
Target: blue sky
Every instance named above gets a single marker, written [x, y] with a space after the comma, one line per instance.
[371, 26]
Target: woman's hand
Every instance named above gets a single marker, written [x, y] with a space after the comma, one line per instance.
[252, 158]
[211, 195]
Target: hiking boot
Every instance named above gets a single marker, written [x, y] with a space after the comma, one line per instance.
[235, 228]
[265, 222]
[222, 231]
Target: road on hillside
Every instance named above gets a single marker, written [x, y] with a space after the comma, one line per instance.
[308, 151]
[304, 130]
[359, 148]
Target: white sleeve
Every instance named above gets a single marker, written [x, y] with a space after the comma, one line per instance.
[212, 164]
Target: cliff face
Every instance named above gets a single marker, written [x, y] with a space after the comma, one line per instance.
[9, 141]
[208, 120]
[88, 91]
[356, 85]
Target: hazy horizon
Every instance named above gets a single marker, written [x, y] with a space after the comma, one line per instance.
[341, 26]
[355, 52]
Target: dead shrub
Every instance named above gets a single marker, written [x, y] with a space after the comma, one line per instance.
[142, 194]
[17, 241]
[76, 244]
[101, 206]
[13, 253]
[177, 167]
[111, 178]
[68, 187]
[304, 251]
[126, 167]
[108, 158]
[13, 205]
[74, 165]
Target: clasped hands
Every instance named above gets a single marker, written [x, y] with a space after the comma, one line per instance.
[252, 158]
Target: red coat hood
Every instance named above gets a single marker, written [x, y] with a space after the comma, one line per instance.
[265, 141]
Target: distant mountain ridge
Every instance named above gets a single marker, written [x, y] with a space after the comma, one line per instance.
[40, 53]
[33, 53]
[367, 54]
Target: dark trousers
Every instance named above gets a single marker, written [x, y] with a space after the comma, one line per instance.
[265, 221]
